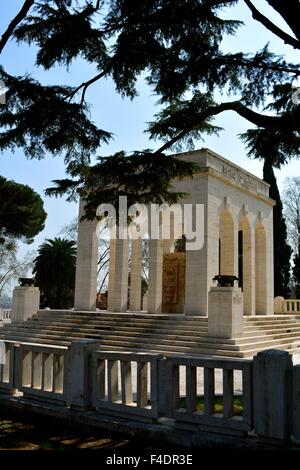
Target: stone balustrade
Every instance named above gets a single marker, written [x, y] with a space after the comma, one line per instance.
[7, 362]
[40, 371]
[5, 314]
[286, 306]
[125, 383]
[194, 370]
[291, 306]
[150, 389]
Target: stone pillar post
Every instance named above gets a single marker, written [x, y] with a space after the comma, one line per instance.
[86, 264]
[76, 372]
[296, 403]
[279, 305]
[136, 275]
[120, 294]
[225, 312]
[111, 274]
[26, 302]
[272, 394]
[155, 275]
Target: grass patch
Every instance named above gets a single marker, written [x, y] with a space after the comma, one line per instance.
[237, 404]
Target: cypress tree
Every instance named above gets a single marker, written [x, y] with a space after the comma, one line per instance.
[282, 250]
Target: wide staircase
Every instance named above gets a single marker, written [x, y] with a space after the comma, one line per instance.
[167, 334]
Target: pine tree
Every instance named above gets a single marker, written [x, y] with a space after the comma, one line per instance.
[296, 274]
[54, 270]
[178, 46]
[282, 250]
[22, 212]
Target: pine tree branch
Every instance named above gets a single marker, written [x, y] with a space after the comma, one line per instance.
[12, 25]
[289, 121]
[290, 12]
[256, 15]
[84, 86]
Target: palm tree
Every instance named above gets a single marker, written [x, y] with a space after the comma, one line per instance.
[54, 270]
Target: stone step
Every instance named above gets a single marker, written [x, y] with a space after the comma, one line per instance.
[122, 316]
[270, 317]
[199, 352]
[19, 335]
[156, 348]
[134, 329]
[166, 334]
[157, 335]
[26, 339]
[76, 333]
[272, 331]
[99, 318]
[107, 325]
[154, 339]
[178, 328]
[269, 322]
[120, 332]
[203, 343]
[271, 327]
[168, 344]
[138, 345]
[67, 334]
[217, 352]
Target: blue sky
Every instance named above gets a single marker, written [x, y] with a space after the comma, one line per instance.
[125, 118]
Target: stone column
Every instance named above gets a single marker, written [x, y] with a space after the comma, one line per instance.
[249, 299]
[202, 265]
[155, 276]
[264, 271]
[136, 275]
[120, 294]
[86, 264]
[270, 266]
[111, 274]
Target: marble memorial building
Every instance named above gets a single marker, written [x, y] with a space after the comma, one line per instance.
[238, 240]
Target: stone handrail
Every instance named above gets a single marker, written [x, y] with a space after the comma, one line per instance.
[102, 387]
[5, 314]
[39, 371]
[7, 362]
[35, 370]
[114, 387]
[291, 306]
[286, 306]
[184, 409]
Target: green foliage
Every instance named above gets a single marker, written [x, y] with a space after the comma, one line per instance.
[274, 145]
[296, 274]
[54, 270]
[178, 46]
[55, 30]
[22, 212]
[281, 249]
[39, 119]
[168, 123]
[124, 175]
